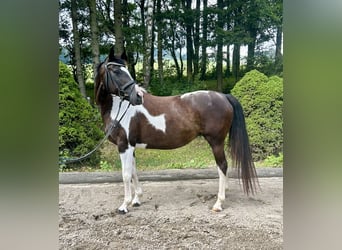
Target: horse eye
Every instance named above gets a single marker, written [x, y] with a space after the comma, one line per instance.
[116, 71]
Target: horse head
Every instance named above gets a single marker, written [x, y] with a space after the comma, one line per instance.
[114, 78]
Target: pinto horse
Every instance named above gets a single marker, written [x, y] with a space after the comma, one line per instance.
[147, 121]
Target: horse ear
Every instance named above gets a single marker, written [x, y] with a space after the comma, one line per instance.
[124, 55]
[111, 56]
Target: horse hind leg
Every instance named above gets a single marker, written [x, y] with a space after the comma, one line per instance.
[220, 158]
[221, 196]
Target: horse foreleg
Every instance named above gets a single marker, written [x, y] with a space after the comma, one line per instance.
[127, 163]
[136, 185]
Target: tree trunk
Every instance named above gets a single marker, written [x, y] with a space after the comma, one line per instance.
[128, 40]
[119, 38]
[175, 60]
[77, 49]
[204, 40]
[236, 61]
[227, 73]
[219, 70]
[94, 35]
[197, 37]
[189, 49]
[153, 38]
[160, 43]
[219, 55]
[251, 49]
[181, 62]
[148, 42]
[278, 55]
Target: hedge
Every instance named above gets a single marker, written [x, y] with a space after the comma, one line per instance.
[262, 100]
[79, 123]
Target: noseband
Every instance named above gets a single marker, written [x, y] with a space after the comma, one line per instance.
[126, 91]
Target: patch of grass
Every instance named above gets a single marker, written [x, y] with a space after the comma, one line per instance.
[196, 154]
[274, 161]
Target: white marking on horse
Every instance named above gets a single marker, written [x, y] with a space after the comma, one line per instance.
[186, 95]
[128, 164]
[222, 191]
[124, 106]
[141, 145]
[126, 71]
[158, 122]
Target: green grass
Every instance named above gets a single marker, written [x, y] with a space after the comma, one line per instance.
[196, 154]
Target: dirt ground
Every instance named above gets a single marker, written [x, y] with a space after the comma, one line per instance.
[173, 215]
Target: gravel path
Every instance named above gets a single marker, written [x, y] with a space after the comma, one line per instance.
[173, 215]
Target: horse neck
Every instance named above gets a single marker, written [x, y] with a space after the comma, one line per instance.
[118, 107]
[110, 106]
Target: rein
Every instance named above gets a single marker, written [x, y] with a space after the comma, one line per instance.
[113, 124]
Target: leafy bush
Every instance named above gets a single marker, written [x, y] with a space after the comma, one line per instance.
[173, 86]
[262, 100]
[78, 121]
[274, 161]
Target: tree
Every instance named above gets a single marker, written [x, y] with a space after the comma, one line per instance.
[188, 22]
[197, 37]
[263, 22]
[219, 41]
[174, 35]
[278, 18]
[204, 39]
[159, 25]
[236, 61]
[253, 28]
[227, 72]
[119, 37]
[94, 35]
[148, 44]
[77, 49]
[179, 26]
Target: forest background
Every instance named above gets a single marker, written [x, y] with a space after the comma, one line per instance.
[173, 46]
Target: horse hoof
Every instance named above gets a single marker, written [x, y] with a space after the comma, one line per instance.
[119, 211]
[136, 204]
[216, 210]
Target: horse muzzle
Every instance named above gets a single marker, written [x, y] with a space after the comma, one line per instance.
[135, 98]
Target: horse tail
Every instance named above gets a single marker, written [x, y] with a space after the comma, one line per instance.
[239, 148]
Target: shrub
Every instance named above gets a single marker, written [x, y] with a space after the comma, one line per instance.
[78, 121]
[262, 101]
[274, 161]
[174, 86]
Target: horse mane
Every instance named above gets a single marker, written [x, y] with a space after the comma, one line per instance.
[98, 86]
[118, 60]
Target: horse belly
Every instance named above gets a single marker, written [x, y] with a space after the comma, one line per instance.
[171, 139]
[165, 134]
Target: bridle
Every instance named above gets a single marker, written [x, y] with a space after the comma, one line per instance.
[126, 90]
